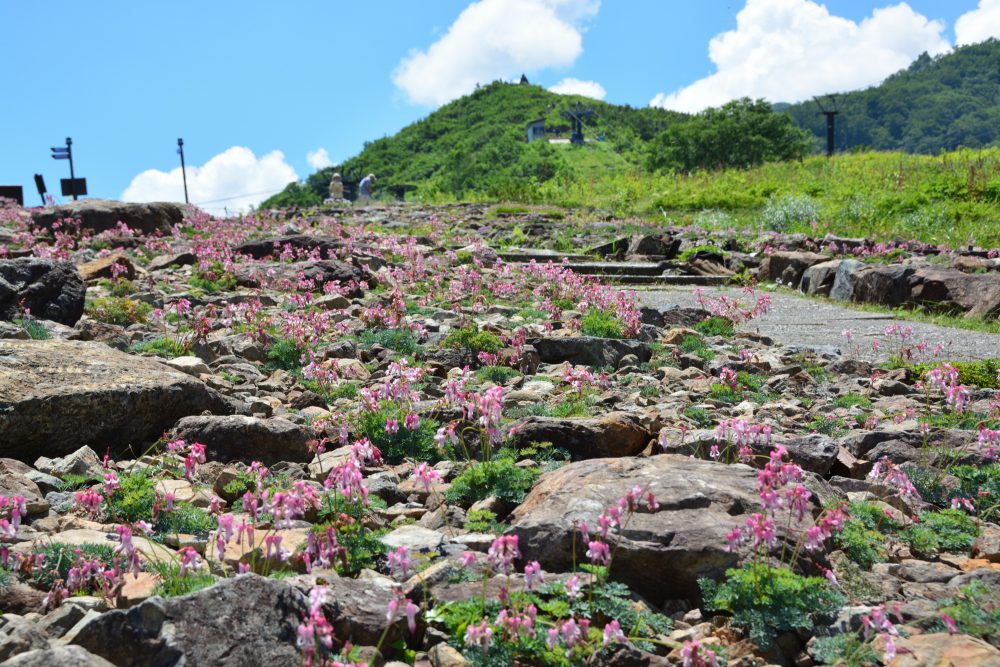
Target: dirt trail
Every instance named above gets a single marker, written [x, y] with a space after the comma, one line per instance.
[798, 321]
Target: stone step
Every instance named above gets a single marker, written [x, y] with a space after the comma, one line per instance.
[626, 279]
[522, 256]
[620, 268]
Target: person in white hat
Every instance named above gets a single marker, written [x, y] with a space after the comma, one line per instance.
[365, 187]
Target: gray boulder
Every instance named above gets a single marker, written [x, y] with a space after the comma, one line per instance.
[588, 350]
[57, 396]
[57, 656]
[661, 555]
[244, 621]
[246, 439]
[610, 435]
[818, 278]
[103, 214]
[845, 279]
[49, 288]
[787, 267]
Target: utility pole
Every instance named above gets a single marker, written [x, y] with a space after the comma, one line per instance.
[831, 114]
[180, 150]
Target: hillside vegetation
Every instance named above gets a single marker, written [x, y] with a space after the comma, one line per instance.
[939, 103]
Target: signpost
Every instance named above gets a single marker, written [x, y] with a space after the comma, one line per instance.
[15, 192]
[180, 151]
[40, 184]
[73, 185]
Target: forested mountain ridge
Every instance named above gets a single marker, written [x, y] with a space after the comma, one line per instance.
[937, 103]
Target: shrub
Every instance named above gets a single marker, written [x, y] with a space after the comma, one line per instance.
[944, 530]
[482, 521]
[791, 211]
[862, 538]
[500, 477]
[117, 310]
[403, 341]
[284, 354]
[472, 339]
[418, 445]
[173, 584]
[715, 326]
[770, 600]
[134, 499]
[852, 400]
[600, 323]
[213, 279]
[976, 610]
[163, 346]
[60, 557]
[496, 374]
[696, 345]
[36, 330]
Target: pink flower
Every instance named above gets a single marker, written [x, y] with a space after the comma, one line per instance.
[503, 552]
[613, 634]
[481, 634]
[400, 562]
[533, 575]
[468, 558]
[572, 587]
[426, 476]
[189, 560]
[598, 552]
[949, 623]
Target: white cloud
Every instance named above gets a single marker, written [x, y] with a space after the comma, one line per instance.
[571, 86]
[495, 39]
[979, 24]
[235, 176]
[790, 50]
[319, 159]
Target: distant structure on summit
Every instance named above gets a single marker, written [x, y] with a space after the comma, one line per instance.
[577, 116]
[536, 130]
[524, 79]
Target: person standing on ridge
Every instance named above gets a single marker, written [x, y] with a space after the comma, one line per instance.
[365, 187]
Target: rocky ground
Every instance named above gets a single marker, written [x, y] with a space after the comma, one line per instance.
[363, 437]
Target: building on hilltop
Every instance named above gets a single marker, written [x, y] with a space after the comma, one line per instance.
[536, 129]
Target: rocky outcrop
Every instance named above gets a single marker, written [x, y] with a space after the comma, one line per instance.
[56, 396]
[246, 620]
[611, 435]
[661, 555]
[318, 273]
[101, 215]
[50, 289]
[588, 350]
[787, 267]
[246, 439]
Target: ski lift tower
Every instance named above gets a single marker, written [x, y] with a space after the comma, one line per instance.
[576, 116]
[829, 109]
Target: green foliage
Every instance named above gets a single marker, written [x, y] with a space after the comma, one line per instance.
[828, 425]
[134, 500]
[845, 650]
[73, 482]
[852, 400]
[715, 326]
[121, 287]
[770, 600]
[284, 354]
[741, 133]
[418, 445]
[36, 330]
[696, 345]
[938, 531]
[164, 346]
[118, 310]
[482, 521]
[863, 538]
[790, 213]
[472, 339]
[60, 557]
[173, 584]
[600, 323]
[499, 476]
[401, 340]
[213, 279]
[976, 610]
[496, 374]
[982, 373]
[699, 416]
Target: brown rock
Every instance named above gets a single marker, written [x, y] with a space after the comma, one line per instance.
[943, 650]
[102, 267]
[56, 396]
[614, 434]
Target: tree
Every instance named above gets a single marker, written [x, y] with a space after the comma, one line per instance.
[742, 133]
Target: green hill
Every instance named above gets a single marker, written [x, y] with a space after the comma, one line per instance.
[935, 104]
[477, 144]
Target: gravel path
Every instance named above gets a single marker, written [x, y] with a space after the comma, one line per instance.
[798, 321]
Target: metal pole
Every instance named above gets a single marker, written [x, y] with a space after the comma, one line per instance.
[180, 149]
[830, 120]
[72, 176]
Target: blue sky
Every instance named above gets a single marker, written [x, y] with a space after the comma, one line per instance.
[241, 80]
